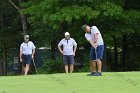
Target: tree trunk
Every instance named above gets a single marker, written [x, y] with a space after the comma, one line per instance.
[3, 66]
[124, 52]
[23, 20]
[53, 46]
[24, 23]
[4, 61]
[115, 54]
[22, 16]
[105, 68]
[1, 20]
[1, 27]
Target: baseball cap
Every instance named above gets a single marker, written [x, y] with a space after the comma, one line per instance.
[67, 34]
[26, 36]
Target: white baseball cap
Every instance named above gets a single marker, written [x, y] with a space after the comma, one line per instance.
[67, 34]
[26, 36]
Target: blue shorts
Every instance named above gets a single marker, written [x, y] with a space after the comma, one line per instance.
[26, 59]
[98, 54]
[68, 59]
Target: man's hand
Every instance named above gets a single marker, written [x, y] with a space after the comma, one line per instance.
[21, 60]
[32, 57]
[62, 52]
[96, 45]
[74, 54]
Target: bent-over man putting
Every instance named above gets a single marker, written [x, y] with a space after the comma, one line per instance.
[94, 37]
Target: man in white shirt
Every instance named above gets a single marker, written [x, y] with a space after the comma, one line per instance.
[27, 51]
[68, 51]
[94, 37]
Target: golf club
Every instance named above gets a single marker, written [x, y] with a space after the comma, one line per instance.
[96, 54]
[35, 66]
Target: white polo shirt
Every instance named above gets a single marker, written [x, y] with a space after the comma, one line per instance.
[67, 46]
[90, 36]
[27, 48]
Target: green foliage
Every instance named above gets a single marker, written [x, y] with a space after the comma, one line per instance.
[9, 25]
[86, 67]
[52, 66]
[49, 19]
[110, 9]
[81, 11]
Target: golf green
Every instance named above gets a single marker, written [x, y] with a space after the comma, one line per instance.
[110, 82]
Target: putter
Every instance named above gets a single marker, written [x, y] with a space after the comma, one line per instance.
[35, 66]
[96, 54]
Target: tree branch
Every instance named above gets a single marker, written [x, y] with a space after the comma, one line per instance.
[14, 4]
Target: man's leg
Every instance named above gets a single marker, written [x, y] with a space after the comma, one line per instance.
[65, 61]
[92, 62]
[71, 68]
[28, 62]
[23, 64]
[71, 61]
[99, 64]
[23, 70]
[66, 68]
[93, 66]
[99, 53]
[27, 69]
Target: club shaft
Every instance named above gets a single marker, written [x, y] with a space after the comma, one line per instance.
[35, 66]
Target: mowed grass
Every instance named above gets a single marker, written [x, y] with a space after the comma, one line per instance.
[110, 82]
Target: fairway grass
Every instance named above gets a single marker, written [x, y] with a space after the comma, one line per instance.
[110, 82]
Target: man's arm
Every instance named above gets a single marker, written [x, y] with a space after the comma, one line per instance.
[75, 48]
[92, 44]
[33, 50]
[33, 53]
[95, 39]
[59, 47]
[20, 56]
[96, 31]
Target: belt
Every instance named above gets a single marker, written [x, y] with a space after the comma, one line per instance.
[27, 54]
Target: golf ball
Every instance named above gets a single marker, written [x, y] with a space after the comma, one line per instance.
[107, 76]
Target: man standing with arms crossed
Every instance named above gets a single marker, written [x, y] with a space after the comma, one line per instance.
[68, 51]
[27, 51]
[94, 37]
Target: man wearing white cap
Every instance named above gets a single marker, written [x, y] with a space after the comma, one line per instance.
[27, 51]
[68, 51]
